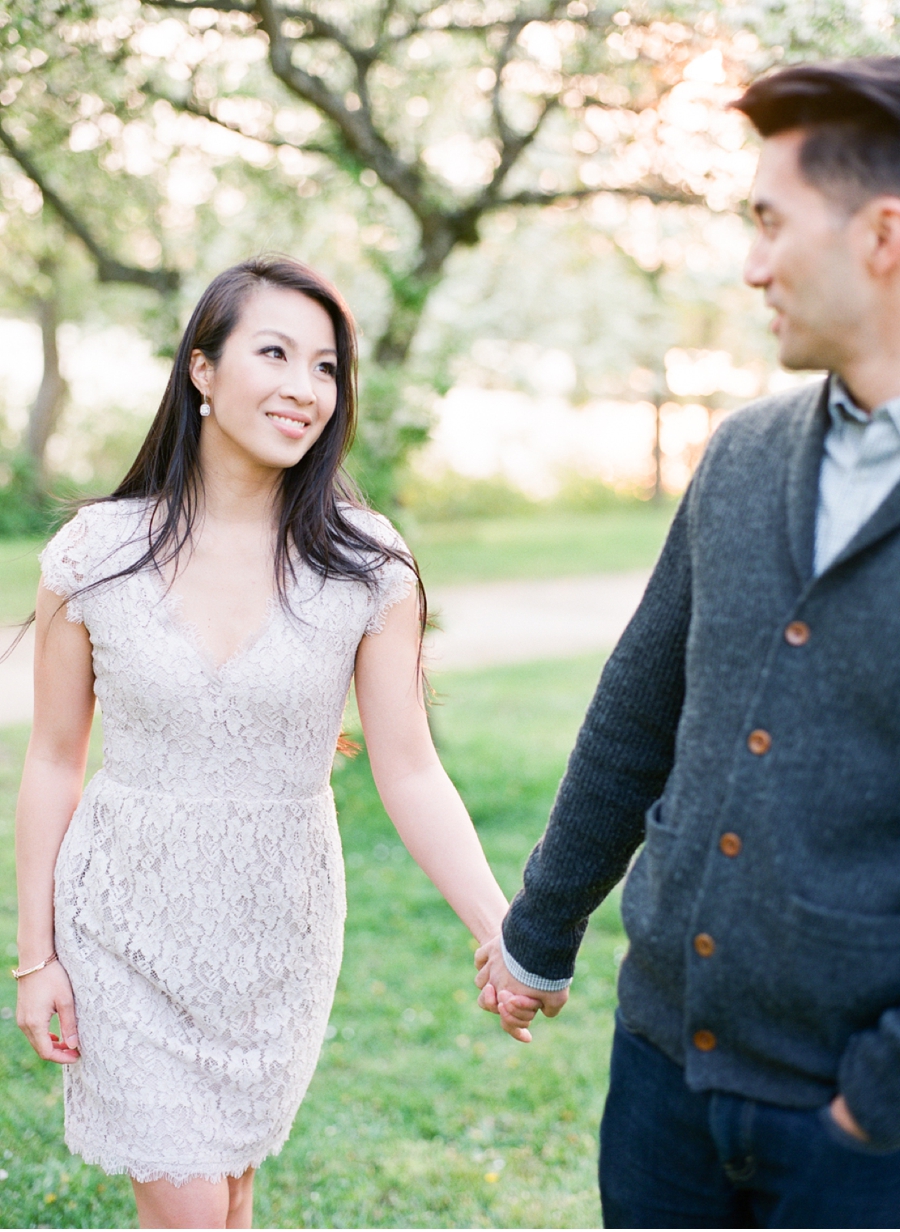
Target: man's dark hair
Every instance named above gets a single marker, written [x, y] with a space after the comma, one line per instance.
[850, 110]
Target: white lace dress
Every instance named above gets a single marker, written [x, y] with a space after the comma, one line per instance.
[200, 886]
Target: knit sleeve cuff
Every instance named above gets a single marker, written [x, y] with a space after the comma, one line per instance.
[518, 972]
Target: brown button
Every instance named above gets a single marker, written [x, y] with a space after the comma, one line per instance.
[759, 742]
[730, 844]
[704, 1040]
[704, 945]
[797, 633]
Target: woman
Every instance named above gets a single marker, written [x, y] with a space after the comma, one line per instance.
[218, 604]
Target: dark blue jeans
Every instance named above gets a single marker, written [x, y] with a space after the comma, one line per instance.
[675, 1158]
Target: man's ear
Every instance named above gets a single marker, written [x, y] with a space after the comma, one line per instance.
[883, 217]
[201, 369]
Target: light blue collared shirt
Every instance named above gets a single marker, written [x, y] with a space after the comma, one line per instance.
[860, 466]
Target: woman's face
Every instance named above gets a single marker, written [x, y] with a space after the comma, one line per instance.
[274, 388]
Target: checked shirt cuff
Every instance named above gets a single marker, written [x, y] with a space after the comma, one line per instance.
[537, 982]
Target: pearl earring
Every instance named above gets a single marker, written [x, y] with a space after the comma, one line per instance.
[205, 408]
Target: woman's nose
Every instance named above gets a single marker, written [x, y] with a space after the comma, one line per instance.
[298, 385]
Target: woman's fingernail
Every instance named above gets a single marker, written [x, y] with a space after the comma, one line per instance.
[72, 1041]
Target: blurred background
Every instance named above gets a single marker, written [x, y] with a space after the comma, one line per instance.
[537, 213]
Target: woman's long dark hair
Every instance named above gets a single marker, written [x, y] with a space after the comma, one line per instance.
[312, 522]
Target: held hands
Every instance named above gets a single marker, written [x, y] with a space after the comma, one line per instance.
[501, 994]
[42, 995]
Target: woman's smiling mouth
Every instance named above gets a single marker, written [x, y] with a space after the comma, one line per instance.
[288, 424]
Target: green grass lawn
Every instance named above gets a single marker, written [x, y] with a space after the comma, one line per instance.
[19, 573]
[540, 544]
[528, 545]
[422, 1113]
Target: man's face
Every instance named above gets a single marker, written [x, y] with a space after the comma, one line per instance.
[808, 258]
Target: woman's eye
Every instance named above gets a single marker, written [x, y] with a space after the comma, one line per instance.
[276, 352]
[329, 369]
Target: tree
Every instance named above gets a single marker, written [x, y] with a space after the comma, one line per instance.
[42, 219]
[456, 112]
[459, 111]
[431, 117]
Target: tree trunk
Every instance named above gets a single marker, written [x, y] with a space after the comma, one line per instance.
[658, 492]
[47, 406]
[391, 422]
[409, 293]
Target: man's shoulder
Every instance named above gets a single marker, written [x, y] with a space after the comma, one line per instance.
[784, 414]
[776, 412]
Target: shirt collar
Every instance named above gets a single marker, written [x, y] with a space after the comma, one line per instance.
[842, 408]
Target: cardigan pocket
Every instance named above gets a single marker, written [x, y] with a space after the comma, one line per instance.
[651, 890]
[844, 928]
[837, 971]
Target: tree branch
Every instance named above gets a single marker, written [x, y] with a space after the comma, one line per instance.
[658, 196]
[513, 148]
[192, 107]
[220, 6]
[504, 131]
[108, 268]
[356, 127]
[512, 143]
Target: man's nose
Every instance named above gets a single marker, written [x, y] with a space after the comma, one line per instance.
[756, 266]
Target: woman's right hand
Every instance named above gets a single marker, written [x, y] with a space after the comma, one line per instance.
[41, 995]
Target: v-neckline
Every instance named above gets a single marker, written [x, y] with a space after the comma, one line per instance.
[170, 604]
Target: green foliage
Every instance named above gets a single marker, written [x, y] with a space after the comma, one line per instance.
[422, 1113]
[394, 418]
[24, 508]
[451, 497]
[405, 173]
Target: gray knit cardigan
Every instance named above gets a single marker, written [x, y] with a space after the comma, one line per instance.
[713, 719]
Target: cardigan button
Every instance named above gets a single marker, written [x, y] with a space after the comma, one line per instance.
[759, 742]
[797, 633]
[704, 945]
[730, 844]
[705, 1041]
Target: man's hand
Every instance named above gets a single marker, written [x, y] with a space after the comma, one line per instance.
[846, 1120]
[501, 994]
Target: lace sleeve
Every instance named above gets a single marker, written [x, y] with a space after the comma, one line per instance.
[63, 564]
[395, 578]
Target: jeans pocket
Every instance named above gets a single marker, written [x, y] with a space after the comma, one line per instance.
[839, 1136]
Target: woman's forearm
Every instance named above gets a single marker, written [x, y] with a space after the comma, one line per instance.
[432, 820]
[53, 777]
[48, 797]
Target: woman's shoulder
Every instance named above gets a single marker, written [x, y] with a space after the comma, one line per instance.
[102, 524]
[394, 574]
[374, 526]
[83, 548]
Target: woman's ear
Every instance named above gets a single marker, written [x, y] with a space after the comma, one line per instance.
[201, 371]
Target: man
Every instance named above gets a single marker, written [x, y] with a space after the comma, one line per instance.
[747, 730]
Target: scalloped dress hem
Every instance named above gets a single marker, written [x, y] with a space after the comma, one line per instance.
[175, 1175]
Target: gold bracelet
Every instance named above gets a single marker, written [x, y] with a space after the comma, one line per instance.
[18, 975]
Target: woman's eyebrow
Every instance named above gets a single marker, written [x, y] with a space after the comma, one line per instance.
[277, 334]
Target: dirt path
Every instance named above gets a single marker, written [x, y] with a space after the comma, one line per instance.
[514, 622]
[480, 625]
